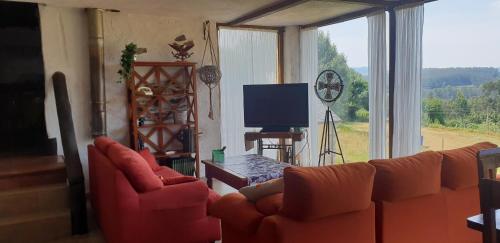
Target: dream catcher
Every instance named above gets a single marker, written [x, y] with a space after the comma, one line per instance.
[209, 74]
[328, 88]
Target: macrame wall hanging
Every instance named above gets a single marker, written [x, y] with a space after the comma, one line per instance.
[209, 74]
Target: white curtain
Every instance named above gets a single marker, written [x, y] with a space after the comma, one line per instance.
[308, 74]
[246, 57]
[377, 84]
[407, 99]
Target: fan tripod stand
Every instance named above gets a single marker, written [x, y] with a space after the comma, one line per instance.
[325, 139]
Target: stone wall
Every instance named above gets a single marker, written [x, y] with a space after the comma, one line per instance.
[65, 48]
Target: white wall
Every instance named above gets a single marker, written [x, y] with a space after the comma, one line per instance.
[154, 33]
[65, 48]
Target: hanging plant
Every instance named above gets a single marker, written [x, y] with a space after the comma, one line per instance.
[209, 74]
[128, 57]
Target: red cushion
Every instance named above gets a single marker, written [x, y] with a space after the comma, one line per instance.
[460, 166]
[407, 177]
[103, 143]
[135, 168]
[313, 193]
[150, 158]
[167, 172]
[270, 205]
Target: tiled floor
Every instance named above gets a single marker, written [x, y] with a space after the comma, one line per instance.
[222, 188]
[95, 235]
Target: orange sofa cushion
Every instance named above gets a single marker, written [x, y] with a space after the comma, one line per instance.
[461, 204]
[353, 227]
[271, 204]
[407, 177]
[460, 166]
[135, 168]
[235, 210]
[417, 220]
[314, 193]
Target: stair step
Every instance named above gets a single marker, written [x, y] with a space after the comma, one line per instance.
[39, 227]
[33, 200]
[29, 171]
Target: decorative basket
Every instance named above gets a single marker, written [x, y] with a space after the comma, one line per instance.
[209, 74]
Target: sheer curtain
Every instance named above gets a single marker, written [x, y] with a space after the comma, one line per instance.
[407, 99]
[377, 84]
[308, 73]
[246, 57]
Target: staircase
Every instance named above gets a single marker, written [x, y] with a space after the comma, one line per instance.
[34, 199]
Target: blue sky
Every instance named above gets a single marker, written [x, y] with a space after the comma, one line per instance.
[457, 33]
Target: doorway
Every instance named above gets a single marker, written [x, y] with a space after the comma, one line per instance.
[22, 81]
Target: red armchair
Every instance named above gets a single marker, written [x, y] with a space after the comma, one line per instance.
[173, 213]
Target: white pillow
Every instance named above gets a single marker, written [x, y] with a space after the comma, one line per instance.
[256, 192]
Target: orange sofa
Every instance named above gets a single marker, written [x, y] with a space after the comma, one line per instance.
[422, 198]
[309, 210]
[427, 197]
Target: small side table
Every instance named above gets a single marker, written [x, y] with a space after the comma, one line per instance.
[259, 136]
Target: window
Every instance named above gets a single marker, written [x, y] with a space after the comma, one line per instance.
[246, 57]
[343, 48]
[461, 78]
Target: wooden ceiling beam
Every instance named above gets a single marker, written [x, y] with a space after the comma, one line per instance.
[402, 3]
[378, 5]
[387, 3]
[375, 3]
[344, 18]
[267, 10]
[365, 12]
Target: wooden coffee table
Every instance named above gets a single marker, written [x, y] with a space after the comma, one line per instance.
[245, 170]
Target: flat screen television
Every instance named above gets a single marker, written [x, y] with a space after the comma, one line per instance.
[276, 107]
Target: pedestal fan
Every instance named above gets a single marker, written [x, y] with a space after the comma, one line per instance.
[328, 88]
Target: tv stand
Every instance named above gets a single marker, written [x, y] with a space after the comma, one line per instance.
[275, 129]
[259, 136]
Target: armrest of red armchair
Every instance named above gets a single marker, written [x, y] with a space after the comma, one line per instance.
[177, 196]
[235, 210]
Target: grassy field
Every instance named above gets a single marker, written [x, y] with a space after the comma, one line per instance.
[354, 139]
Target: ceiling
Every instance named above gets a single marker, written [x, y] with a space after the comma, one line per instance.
[309, 12]
[285, 12]
[217, 10]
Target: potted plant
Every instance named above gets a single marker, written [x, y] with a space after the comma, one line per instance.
[129, 55]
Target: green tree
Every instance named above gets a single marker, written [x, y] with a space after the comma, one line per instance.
[434, 109]
[355, 94]
[491, 89]
[460, 105]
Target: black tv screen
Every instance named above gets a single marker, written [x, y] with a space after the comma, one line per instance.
[276, 106]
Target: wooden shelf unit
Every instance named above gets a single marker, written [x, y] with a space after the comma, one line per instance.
[156, 119]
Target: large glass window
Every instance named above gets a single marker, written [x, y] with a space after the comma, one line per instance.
[461, 78]
[343, 48]
[246, 57]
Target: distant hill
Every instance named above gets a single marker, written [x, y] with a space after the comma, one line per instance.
[361, 70]
[443, 77]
